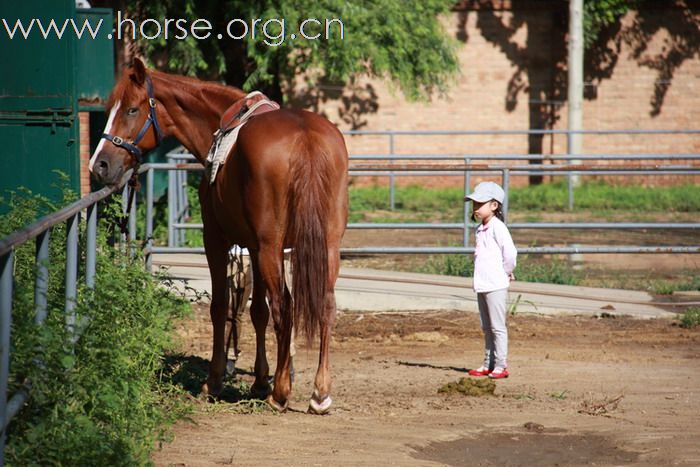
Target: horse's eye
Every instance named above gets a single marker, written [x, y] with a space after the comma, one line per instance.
[132, 111]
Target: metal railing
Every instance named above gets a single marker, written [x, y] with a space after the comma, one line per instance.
[392, 136]
[466, 170]
[463, 165]
[41, 232]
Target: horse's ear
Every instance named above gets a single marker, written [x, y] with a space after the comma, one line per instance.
[138, 71]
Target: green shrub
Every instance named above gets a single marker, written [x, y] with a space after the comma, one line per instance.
[97, 400]
[667, 287]
[552, 271]
[691, 317]
[449, 265]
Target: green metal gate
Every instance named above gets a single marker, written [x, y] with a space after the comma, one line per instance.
[38, 119]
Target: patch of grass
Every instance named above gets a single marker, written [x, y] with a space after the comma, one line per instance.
[449, 265]
[591, 195]
[470, 387]
[691, 317]
[667, 287]
[600, 195]
[549, 271]
[552, 271]
[559, 395]
[413, 203]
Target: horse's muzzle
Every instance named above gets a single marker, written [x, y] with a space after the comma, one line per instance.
[106, 170]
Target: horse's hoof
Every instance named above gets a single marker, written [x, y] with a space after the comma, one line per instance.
[321, 407]
[260, 391]
[212, 389]
[275, 405]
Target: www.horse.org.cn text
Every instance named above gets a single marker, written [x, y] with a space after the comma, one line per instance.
[272, 31]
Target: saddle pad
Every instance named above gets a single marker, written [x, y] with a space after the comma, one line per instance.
[220, 149]
[233, 119]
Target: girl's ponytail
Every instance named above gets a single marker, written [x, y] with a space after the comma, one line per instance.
[499, 213]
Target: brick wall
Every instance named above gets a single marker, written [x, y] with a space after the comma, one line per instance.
[511, 79]
[84, 153]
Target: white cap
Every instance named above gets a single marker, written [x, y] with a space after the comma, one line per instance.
[486, 191]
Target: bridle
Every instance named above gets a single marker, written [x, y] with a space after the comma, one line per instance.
[132, 147]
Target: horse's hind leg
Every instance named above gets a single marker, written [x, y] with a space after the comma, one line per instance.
[320, 402]
[270, 262]
[260, 315]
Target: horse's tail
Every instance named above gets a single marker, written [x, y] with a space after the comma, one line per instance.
[310, 202]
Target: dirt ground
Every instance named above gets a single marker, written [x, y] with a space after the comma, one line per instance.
[582, 391]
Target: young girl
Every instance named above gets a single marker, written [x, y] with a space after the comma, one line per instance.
[494, 261]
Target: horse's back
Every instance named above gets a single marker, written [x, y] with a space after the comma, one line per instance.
[282, 157]
[282, 130]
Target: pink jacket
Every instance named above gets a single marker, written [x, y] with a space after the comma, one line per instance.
[494, 257]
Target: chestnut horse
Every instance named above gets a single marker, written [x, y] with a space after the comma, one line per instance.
[284, 185]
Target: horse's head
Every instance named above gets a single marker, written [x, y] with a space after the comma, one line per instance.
[132, 128]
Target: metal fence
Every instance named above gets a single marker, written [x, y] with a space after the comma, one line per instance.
[41, 232]
[393, 165]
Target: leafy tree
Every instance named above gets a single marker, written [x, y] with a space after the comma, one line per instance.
[398, 40]
[541, 72]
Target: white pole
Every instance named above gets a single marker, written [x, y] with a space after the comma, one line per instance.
[575, 97]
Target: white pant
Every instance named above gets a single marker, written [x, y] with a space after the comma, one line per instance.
[492, 309]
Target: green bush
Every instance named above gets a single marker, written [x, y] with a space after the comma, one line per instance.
[449, 265]
[551, 271]
[691, 317]
[96, 399]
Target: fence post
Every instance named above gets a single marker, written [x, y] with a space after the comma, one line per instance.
[183, 205]
[6, 266]
[171, 207]
[41, 287]
[467, 205]
[149, 218]
[71, 271]
[392, 194]
[506, 189]
[91, 246]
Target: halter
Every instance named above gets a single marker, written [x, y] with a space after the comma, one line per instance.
[132, 148]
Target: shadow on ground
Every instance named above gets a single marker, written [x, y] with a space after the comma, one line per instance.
[190, 372]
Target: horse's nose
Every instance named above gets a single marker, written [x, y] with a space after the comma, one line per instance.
[101, 169]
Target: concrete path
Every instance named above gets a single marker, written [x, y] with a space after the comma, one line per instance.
[381, 291]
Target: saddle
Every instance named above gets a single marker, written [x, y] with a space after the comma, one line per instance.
[255, 103]
[231, 122]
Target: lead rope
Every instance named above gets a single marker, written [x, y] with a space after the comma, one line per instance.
[237, 285]
[133, 186]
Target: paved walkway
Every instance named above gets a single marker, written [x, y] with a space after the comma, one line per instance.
[382, 291]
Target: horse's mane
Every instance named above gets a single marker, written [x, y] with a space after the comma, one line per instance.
[183, 87]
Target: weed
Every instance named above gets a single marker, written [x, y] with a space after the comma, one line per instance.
[691, 317]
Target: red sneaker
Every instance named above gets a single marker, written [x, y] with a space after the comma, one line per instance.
[481, 371]
[499, 373]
